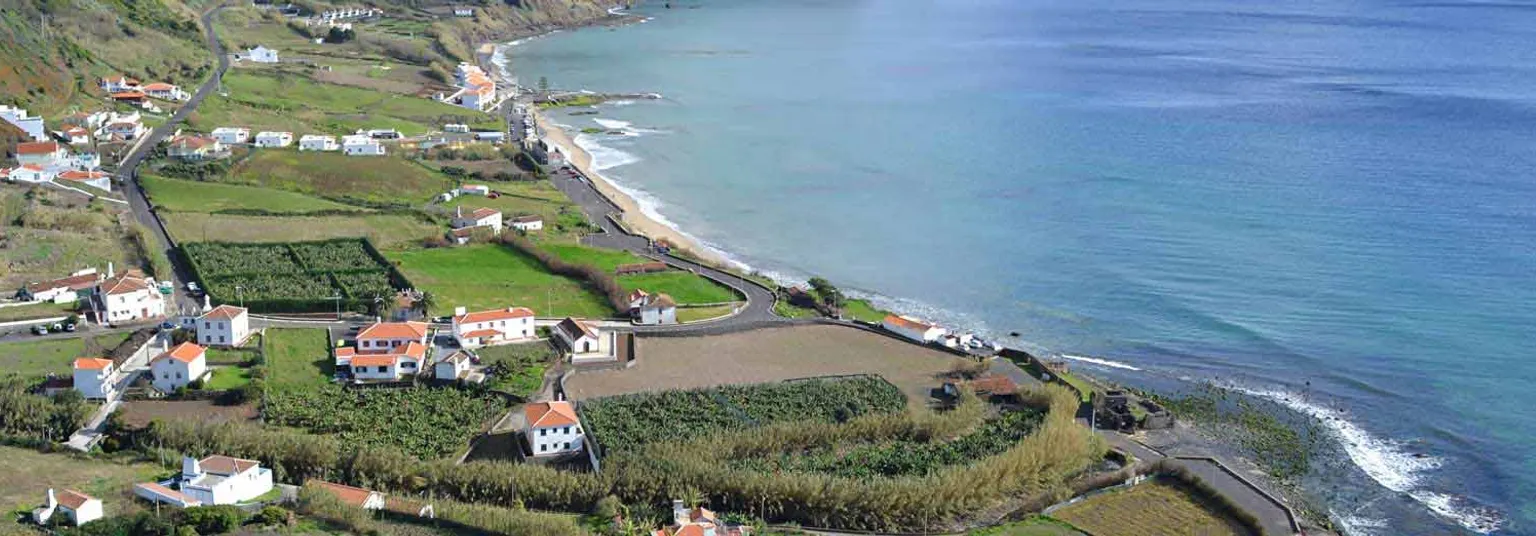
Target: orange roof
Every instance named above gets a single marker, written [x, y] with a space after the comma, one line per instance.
[77, 131]
[347, 494]
[185, 352]
[75, 282]
[159, 86]
[193, 142]
[637, 294]
[908, 323]
[415, 349]
[375, 360]
[32, 167]
[37, 147]
[225, 465]
[124, 284]
[224, 312]
[346, 352]
[494, 314]
[546, 414]
[481, 333]
[483, 213]
[73, 499]
[128, 95]
[77, 175]
[394, 330]
[92, 363]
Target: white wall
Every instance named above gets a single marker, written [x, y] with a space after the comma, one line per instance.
[94, 383]
[230, 332]
[555, 440]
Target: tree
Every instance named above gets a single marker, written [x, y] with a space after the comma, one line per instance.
[543, 83]
[826, 293]
[427, 301]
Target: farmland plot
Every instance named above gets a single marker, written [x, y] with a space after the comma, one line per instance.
[293, 277]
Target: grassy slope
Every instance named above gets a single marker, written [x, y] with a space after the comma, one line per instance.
[1149, 509]
[40, 357]
[226, 378]
[390, 178]
[386, 230]
[295, 102]
[193, 196]
[297, 359]
[41, 310]
[490, 276]
[561, 216]
[30, 473]
[863, 310]
[683, 286]
[49, 234]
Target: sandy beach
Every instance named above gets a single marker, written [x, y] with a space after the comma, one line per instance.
[633, 216]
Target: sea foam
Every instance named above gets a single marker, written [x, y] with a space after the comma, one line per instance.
[1387, 462]
[1100, 362]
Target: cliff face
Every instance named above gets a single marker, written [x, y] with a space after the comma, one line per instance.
[499, 21]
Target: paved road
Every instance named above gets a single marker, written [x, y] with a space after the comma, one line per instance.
[128, 169]
[759, 308]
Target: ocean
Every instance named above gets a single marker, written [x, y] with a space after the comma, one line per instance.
[1326, 204]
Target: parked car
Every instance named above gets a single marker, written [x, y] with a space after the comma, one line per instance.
[39, 330]
[167, 325]
[69, 327]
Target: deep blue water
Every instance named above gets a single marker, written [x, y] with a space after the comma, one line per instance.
[1328, 203]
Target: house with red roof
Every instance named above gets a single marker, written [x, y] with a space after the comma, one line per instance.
[78, 507]
[225, 325]
[62, 290]
[212, 480]
[30, 173]
[197, 148]
[96, 179]
[496, 326]
[129, 297]
[41, 153]
[77, 135]
[912, 328]
[178, 367]
[698, 521]
[162, 90]
[358, 497]
[385, 351]
[553, 428]
[118, 83]
[95, 377]
[489, 218]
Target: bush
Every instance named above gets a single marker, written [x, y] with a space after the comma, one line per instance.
[213, 519]
[272, 515]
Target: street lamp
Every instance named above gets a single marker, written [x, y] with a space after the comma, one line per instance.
[337, 298]
[240, 295]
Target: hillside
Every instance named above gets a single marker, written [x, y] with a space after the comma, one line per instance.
[52, 51]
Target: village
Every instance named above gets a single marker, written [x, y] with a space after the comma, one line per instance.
[381, 301]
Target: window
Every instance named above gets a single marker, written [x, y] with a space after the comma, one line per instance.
[383, 368]
[567, 430]
[221, 338]
[567, 445]
[543, 431]
[408, 364]
[543, 448]
[207, 325]
[165, 375]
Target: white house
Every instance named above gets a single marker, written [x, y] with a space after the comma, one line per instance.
[123, 130]
[698, 521]
[477, 91]
[480, 217]
[315, 142]
[77, 136]
[162, 90]
[30, 173]
[497, 326]
[62, 290]
[94, 377]
[261, 54]
[656, 309]
[385, 337]
[358, 497]
[532, 222]
[274, 139]
[463, 12]
[912, 328]
[41, 153]
[212, 480]
[583, 340]
[452, 366]
[129, 298]
[197, 148]
[78, 507]
[225, 325]
[178, 367]
[95, 179]
[360, 145]
[118, 83]
[231, 135]
[475, 189]
[553, 428]
[386, 351]
[20, 118]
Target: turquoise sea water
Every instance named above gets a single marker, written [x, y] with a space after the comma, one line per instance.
[1329, 204]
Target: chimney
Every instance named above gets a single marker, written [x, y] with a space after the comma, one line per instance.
[207, 303]
[459, 311]
[53, 502]
[459, 212]
[110, 273]
[190, 468]
[680, 512]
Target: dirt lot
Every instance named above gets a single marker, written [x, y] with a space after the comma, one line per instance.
[767, 355]
[141, 412]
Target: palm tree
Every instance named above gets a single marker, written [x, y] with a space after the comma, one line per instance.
[426, 302]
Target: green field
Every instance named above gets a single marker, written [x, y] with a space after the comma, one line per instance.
[38, 310]
[518, 368]
[40, 357]
[1040, 526]
[298, 359]
[604, 259]
[297, 103]
[194, 196]
[378, 179]
[29, 474]
[863, 310]
[491, 276]
[385, 230]
[562, 219]
[227, 378]
[1152, 509]
[685, 287]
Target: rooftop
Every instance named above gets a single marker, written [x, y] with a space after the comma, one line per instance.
[547, 414]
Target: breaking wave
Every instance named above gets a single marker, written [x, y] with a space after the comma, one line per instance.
[1100, 362]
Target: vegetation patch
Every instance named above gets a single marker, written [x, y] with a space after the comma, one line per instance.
[35, 359]
[388, 180]
[491, 276]
[295, 102]
[627, 422]
[423, 422]
[212, 197]
[386, 230]
[517, 369]
[297, 359]
[294, 277]
[1155, 508]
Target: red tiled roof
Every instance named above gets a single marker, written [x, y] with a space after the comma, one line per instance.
[78, 175]
[994, 384]
[158, 86]
[37, 147]
[494, 314]
[481, 333]
[224, 312]
[483, 213]
[73, 499]
[225, 465]
[346, 352]
[185, 352]
[193, 142]
[394, 330]
[167, 492]
[124, 284]
[375, 360]
[92, 363]
[637, 294]
[347, 494]
[128, 95]
[904, 322]
[74, 282]
[76, 131]
[546, 414]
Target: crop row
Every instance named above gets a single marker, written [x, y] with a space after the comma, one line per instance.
[627, 421]
[424, 423]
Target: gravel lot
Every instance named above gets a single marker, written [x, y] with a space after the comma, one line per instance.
[141, 412]
[767, 355]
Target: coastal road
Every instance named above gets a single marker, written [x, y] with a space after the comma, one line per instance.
[128, 169]
[600, 210]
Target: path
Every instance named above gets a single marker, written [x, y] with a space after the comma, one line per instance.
[128, 169]
[87, 437]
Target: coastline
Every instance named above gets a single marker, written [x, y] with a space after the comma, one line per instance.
[633, 215]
